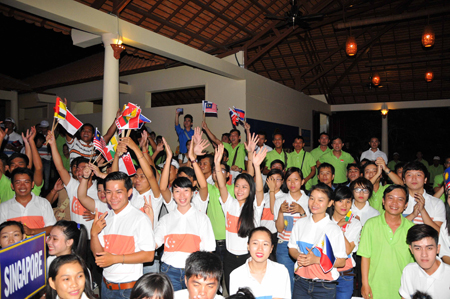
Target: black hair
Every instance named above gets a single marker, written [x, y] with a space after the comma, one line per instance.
[189, 116]
[353, 165]
[363, 182]
[82, 160]
[204, 264]
[324, 133]
[271, 173]
[246, 223]
[367, 164]
[39, 136]
[119, 176]
[12, 223]
[188, 171]
[4, 158]
[337, 137]
[324, 189]
[420, 295]
[364, 162]
[260, 229]
[447, 211]
[277, 161]
[325, 165]
[151, 167]
[153, 285]
[207, 156]
[18, 155]
[300, 137]
[54, 269]
[226, 134]
[277, 133]
[415, 165]
[242, 293]
[288, 173]
[340, 193]
[262, 133]
[225, 153]
[22, 170]
[398, 166]
[235, 130]
[87, 125]
[77, 233]
[421, 231]
[393, 187]
[101, 181]
[75, 161]
[182, 182]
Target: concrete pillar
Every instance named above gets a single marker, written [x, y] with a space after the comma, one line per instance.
[384, 134]
[110, 83]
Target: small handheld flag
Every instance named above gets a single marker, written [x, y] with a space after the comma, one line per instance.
[70, 123]
[447, 179]
[348, 217]
[234, 117]
[240, 113]
[110, 150]
[60, 109]
[209, 108]
[126, 164]
[99, 142]
[327, 256]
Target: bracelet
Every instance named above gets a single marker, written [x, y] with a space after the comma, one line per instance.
[194, 161]
[145, 152]
[303, 215]
[271, 191]
[123, 260]
[389, 171]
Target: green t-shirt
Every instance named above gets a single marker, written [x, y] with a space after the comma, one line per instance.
[240, 151]
[7, 193]
[388, 253]
[340, 165]
[274, 155]
[391, 165]
[60, 141]
[434, 171]
[424, 162]
[376, 200]
[317, 153]
[296, 159]
[439, 181]
[215, 212]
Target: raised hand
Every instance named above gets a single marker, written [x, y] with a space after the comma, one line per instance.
[148, 209]
[99, 223]
[32, 133]
[169, 153]
[144, 141]
[250, 145]
[58, 185]
[258, 157]
[271, 183]
[246, 126]
[50, 138]
[87, 171]
[197, 135]
[218, 153]
[200, 147]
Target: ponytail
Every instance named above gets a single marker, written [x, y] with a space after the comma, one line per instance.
[76, 232]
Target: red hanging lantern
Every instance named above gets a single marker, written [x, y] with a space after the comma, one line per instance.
[376, 79]
[428, 37]
[118, 49]
[351, 47]
[429, 76]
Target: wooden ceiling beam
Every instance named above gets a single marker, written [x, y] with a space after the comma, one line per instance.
[119, 6]
[98, 3]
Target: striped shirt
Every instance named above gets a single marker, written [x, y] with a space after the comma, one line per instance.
[79, 148]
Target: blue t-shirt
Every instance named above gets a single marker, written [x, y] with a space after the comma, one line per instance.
[182, 138]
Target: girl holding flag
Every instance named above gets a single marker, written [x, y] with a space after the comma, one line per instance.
[351, 229]
[318, 246]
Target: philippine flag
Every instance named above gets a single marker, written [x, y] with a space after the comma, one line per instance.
[327, 256]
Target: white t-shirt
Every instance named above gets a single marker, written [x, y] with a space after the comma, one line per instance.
[183, 234]
[434, 206]
[267, 219]
[444, 241]
[275, 284]
[352, 232]
[231, 209]
[14, 139]
[196, 202]
[210, 180]
[365, 213]
[183, 158]
[290, 219]
[414, 278]
[76, 208]
[128, 232]
[138, 202]
[372, 156]
[184, 294]
[320, 236]
[37, 214]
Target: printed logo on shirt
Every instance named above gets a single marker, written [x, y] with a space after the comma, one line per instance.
[182, 243]
[267, 214]
[289, 222]
[77, 207]
[30, 221]
[232, 223]
[119, 244]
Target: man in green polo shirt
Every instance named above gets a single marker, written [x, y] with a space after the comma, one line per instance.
[324, 140]
[277, 153]
[236, 150]
[339, 159]
[383, 247]
[302, 160]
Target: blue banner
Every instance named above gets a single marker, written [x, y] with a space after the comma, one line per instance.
[23, 268]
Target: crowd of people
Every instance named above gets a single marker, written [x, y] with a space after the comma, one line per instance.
[245, 221]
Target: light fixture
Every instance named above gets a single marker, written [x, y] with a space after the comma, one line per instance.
[384, 110]
[429, 75]
[350, 46]
[428, 37]
[376, 79]
[118, 47]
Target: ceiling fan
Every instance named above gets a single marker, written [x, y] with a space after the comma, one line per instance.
[294, 17]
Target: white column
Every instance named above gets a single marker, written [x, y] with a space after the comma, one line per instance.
[110, 83]
[384, 134]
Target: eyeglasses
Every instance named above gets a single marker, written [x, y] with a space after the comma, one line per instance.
[358, 190]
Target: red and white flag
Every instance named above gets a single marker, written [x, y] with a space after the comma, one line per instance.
[70, 123]
[126, 164]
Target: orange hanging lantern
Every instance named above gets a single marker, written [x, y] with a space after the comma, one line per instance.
[429, 76]
[351, 47]
[118, 49]
[376, 79]
[428, 37]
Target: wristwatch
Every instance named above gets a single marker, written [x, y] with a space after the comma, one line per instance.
[194, 161]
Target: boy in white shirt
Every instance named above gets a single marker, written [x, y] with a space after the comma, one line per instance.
[122, 242]
[428, 274]
[203, 274]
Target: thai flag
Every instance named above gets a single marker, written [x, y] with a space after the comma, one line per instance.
[126, 164]
[209, 108]
[241, 113]
[99, 142]
[327, 256]
[234, 117]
